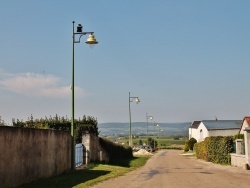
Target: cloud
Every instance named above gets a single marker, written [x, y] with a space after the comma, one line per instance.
[36, 85]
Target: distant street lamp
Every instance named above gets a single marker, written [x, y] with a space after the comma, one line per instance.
[91, 41]
[130, 99]
[154, 132]
[159, 130]
[151, 118]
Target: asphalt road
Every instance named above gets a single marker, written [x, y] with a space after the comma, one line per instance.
[171, 170]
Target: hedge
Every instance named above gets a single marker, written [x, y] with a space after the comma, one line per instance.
[116, 150]
[215, 149]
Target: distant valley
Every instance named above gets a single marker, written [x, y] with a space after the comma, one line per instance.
[140, 129]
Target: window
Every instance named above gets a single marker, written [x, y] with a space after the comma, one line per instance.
[201, 134]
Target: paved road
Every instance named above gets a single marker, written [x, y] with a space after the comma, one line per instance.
[171, 170]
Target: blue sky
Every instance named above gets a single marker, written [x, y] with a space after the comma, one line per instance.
[186, 60]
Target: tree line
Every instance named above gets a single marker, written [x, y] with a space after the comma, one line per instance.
[86, 124]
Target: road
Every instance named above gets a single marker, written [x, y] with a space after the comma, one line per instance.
[169, 169]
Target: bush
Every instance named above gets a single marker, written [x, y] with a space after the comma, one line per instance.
[192, 141]
[215, 149]
[238, 136]
[86, 124]
[189, 144]
[115, 150]
[186, 146]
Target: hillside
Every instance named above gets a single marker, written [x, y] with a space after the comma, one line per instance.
[140, 128]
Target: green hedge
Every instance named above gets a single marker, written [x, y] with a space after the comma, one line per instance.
[239, 136]
[215, 149]
[85, 124]
[116, 150]
[189, 144]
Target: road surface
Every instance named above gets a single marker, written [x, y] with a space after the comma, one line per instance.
[169, 169]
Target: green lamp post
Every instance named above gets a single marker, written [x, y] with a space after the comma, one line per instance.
[91, 41]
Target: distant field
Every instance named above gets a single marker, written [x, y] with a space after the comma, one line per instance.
[163, 142]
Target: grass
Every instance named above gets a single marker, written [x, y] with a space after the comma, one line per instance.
[95, 173]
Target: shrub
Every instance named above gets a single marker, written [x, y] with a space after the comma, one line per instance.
[192, 141]
[200, 150]
[116, 150]
[215, 149]
[86, 124]
[238, 136]
[189, 144]
[186, 146]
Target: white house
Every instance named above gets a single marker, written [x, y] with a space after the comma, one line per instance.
[205, 128]
[193, 129]
[242, 156]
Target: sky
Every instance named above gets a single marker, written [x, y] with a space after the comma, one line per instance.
[185, 60]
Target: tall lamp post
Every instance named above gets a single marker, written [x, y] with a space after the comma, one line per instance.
[154, 132]
[130, 99]
[160, 130]
[91, 41]
[151, 118]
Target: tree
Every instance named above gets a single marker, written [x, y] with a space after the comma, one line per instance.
[87, 124]
[1, 121]
[189, 144]
[192, 141]
[152, 142]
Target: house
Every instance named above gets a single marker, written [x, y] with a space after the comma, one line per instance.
[206, 128]
[193, 130]
[242, 156]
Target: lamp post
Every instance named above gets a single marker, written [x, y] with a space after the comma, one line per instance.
[91, 41]
[151, 118]
[154, 132]
[158, 132]
[137, 100]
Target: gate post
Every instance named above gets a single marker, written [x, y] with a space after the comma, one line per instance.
[86, 147]
[247, 145]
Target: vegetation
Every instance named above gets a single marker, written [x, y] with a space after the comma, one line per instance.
[161, 142]
[116, 150]
[152, 142]
[189, 144]
[1, 121]
[86, 124]
[215, 149]
[239, 136]
[90, 176]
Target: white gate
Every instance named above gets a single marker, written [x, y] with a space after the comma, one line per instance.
[78, 155]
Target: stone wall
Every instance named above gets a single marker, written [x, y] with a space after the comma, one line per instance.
[92, 149]
[242, 160]
[28, 154]
[238, 160]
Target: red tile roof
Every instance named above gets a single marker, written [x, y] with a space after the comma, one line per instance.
[247, 119]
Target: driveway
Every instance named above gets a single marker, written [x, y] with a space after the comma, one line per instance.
[169, 169]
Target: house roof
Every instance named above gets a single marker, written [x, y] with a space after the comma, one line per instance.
[247, 119]
[195, 124]
[222, 124]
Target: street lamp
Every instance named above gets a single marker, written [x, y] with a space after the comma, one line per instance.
[158, 132]
[154, 132]
[151, 118]
[91, 41]
[130, 99]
